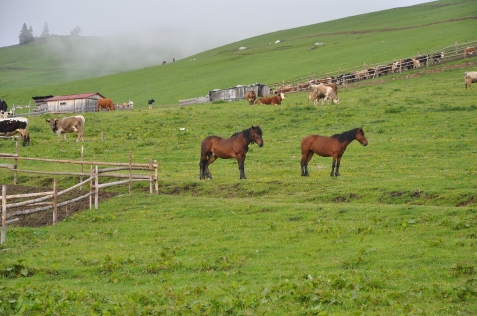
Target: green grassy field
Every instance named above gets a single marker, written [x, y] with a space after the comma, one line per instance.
[395, 234]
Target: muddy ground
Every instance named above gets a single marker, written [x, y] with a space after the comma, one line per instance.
[46, 217]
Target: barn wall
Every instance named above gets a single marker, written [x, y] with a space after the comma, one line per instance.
[239, 92]
[71, 106]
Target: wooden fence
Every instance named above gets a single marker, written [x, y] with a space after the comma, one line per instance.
[451, 53]
[40, 200]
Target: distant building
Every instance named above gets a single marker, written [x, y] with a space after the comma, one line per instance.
[75, 103]
[231, 94]
[239, 92]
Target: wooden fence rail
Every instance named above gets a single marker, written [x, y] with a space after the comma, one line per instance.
[42, 201]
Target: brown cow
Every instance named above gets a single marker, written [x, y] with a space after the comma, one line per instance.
[272, 100]
[105, 103]
[251, 97]
[68, 124]
[469, 51]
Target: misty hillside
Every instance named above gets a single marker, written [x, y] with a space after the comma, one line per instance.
[129, 67]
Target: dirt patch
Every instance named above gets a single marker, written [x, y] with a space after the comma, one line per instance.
[44, 218]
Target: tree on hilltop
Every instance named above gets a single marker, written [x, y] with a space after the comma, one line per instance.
[46, 31]
[76, 31]
[26, 35]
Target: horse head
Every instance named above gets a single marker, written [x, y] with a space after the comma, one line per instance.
[360, 137]
[256, 135]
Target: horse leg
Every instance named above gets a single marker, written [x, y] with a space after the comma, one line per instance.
[240, 161]
[203, 165]
[202, 170]
[333, 167]
[337, 173]
[211, 159]
[304, 163]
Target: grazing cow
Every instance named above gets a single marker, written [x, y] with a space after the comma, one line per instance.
[150, 102]
[469, 51]
[12, 126]
[345, 78]
[286, 89]
[437, 57]
[271, 100]
[362, 74]
[251, 97]
[469, 78]
[423, 59]
[416, 63]
[323, 92]
[68, 124]
[407, 63]
[3, 106]
[106, 104]
[395, 67]
[163, 62]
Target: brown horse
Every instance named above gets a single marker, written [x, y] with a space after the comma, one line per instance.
[236, 146]
[333, 146]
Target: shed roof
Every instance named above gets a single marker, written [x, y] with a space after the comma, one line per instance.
[74, 96]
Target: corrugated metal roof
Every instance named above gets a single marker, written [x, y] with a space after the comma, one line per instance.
[74, 96]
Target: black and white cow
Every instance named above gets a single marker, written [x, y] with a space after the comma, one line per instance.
[150, 102]
[12, 126]
[3, 106]
[437, 57]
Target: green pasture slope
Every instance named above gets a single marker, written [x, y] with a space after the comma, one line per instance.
[396, 234]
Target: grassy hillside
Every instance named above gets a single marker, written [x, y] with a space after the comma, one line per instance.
[398, 224]
[394, 235]
[370, 38]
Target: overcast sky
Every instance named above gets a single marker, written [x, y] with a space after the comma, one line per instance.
[221, 20]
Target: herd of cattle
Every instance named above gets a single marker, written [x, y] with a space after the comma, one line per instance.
[72, 124]
[373, 72]
[108, 105]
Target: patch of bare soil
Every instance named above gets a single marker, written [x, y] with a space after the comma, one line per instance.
[44, 218]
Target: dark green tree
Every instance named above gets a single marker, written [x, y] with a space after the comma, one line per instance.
[26, 35]
[76, 31]
[46, 31]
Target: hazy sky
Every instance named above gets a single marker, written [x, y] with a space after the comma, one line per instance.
[220, 21]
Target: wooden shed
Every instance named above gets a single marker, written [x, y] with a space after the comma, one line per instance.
[75, 103]
[239, 92]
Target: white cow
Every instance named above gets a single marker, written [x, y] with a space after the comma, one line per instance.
[322, 92]
[469, 77]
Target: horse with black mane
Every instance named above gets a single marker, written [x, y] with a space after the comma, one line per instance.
[333, 146]
[236, 146]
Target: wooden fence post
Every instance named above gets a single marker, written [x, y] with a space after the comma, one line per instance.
[15, 165]
[155, 177]
[55, 200]
[82, 166]
[4, 214]
[150, 176]
[96, 188]
[130, 171]
[96, 183]
[91, 187]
